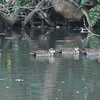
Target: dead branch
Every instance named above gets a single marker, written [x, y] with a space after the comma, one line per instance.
[89, 33]
[37, 8]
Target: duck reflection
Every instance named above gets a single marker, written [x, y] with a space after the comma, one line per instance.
[71, 56]
[51, 59]
[92, 57]
[0, 53]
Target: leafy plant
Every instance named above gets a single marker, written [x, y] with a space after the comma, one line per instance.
[18, 4]
[83, 2]
[94, 42]
[94, 16]
[94, 11]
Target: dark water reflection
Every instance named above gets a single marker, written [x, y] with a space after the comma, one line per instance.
[24, 77]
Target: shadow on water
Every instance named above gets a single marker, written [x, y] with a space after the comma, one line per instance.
[60, 77]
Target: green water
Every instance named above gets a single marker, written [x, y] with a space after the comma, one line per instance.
[24, 77]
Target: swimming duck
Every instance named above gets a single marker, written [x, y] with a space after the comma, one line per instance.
[50, 52]
[84, 30]
[74, 50]
[91, 52]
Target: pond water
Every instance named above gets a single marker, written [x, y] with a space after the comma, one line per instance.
[68, 77]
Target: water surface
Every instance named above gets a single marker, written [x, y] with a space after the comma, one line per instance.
[68, 77]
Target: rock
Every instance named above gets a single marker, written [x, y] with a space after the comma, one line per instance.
[67, 9]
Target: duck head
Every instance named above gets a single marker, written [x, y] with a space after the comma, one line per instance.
[76, 49]
[51, 51]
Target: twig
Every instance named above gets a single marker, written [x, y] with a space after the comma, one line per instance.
[89, 30]
[86, 38]
[91, 33]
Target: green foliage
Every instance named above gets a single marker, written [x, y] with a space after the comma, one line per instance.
[83, 2]
[23, 1]
[94, 16]
[94, 42]
[18, 4]
[15, 7]
[94, 11]
[98, 2]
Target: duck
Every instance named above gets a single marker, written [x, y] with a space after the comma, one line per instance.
[91, 52]
[74, 50]
[84, 30]
[50, 52]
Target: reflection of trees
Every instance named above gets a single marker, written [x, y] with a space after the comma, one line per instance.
[41, 41]
[94, 42]
[14, 76]
[90, 80]
[24, 77]
[91, 40]
[69, 80]
[21, 77]
[78, 81]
